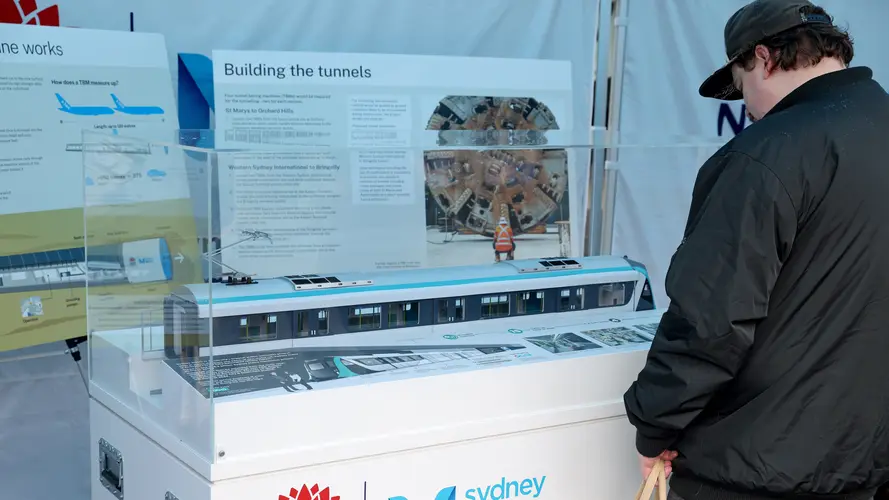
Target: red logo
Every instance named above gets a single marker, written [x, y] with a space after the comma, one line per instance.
[26, 12]
[306, 493]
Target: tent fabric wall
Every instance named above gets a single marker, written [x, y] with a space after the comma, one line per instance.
[670, 48]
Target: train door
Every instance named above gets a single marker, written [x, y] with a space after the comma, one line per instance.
[450, 310]
[571, 299]
[311, 324]
[178, 327]
[319, 322]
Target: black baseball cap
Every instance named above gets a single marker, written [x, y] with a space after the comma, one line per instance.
[750, 25]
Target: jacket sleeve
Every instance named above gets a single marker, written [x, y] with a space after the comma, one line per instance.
[719, 283]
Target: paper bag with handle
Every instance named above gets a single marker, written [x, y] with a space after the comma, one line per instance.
[657, 480]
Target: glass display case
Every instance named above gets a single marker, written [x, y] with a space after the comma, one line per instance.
[145, 235]
[308, 301]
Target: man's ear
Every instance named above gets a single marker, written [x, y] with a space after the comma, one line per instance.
[762, 53]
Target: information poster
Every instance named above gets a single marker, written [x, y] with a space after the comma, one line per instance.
[55, 83]
[348, 167]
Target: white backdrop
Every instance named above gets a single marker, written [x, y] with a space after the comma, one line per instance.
[671, 46]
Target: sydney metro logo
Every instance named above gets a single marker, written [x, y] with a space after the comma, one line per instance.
[449, 493]
[26, 12]
[306, 493]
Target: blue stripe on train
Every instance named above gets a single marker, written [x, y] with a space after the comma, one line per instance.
[378, 288]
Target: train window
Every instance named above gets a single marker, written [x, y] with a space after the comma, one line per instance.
[495, 306]
[246, 330]
[302, 324]
[364, 318]
[612, 294]
[258, 327]
[570, 299]
[529, 302]
[404, 314]
[443, 315]
[448, 310]
[322, 322]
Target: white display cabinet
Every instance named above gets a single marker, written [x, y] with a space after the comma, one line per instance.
[311, 323]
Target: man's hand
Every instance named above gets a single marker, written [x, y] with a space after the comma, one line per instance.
[646, 463]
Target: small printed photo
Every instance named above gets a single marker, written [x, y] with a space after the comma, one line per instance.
[562, 342]
[650, 328]
[616, 337]
[489, 205]
[31, 306]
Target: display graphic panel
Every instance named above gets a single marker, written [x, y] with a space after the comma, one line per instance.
[617, 336]
[391, 357]
[379, 191]
[54, 83]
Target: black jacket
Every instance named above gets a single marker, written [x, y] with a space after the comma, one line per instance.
[769, 373]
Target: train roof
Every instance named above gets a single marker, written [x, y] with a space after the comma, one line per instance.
[356, 282]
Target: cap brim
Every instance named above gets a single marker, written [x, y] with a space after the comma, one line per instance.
[721, 85]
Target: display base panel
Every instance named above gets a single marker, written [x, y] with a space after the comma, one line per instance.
[392, 395]
[592, 460]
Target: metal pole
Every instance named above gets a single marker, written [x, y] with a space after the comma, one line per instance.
[613, 131]
[609, 189]
[594, 199]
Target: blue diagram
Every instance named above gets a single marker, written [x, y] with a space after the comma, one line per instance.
[135, 110]
[83, 110]
[156, 173]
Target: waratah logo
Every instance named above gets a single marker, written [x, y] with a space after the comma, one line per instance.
[26, 12]
[306, 493]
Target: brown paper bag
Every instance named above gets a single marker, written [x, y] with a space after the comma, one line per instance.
[657, 480]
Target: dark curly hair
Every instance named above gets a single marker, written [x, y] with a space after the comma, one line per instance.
[804, 45]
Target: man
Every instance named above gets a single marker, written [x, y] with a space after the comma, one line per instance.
[767, 376]
[504, 242]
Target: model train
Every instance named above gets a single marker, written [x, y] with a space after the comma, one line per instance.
[285, 310]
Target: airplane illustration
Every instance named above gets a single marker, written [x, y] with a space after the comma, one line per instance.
[135, 110]
[83, 110]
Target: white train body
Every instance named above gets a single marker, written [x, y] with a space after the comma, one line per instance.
[341, 309]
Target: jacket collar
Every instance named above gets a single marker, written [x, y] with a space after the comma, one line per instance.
[823, 85]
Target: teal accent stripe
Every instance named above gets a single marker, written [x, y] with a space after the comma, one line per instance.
[408, 286]
[345, 372]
